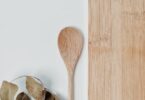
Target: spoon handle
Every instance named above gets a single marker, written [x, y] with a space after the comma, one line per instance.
[71, 86]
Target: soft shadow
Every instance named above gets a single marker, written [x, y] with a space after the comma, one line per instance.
[61, 97]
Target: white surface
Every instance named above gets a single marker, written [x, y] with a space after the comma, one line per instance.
[28, 42]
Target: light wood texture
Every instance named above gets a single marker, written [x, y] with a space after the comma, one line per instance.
[70, 42]
[116, 49]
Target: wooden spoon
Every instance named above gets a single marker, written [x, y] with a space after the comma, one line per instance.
[70, 43]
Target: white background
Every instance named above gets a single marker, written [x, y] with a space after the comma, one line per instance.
[28, 42]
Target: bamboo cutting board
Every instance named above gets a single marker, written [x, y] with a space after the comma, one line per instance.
[116, 49]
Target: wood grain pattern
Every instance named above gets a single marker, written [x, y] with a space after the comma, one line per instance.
[116, 49]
